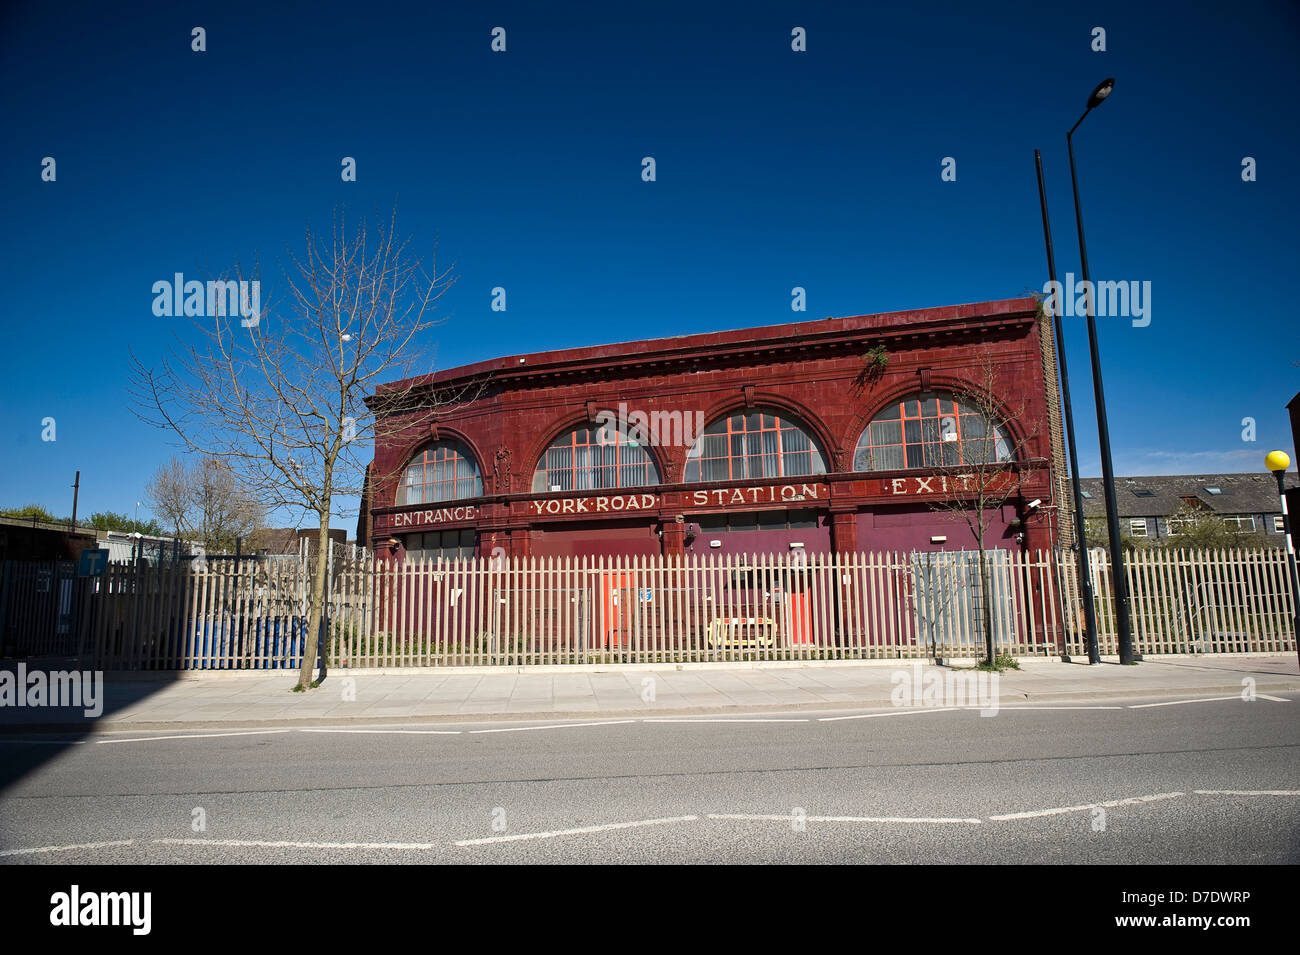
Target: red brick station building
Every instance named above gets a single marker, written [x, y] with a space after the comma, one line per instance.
[763, 440]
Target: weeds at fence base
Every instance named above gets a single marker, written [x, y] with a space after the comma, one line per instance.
[1001, 663]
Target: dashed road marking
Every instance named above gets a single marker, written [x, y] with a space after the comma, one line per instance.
[551, 726]
[1031, 706]
[45, 742]
[686, 719]
[150, 739]
[888, 819]
[584, 830]
[900, 712]
[279, 844]
[1109, 804]
[383, 732]
[1208, 699]
[81, 845]
[1247, 792]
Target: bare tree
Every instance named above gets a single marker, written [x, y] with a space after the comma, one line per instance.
[204, 503]
[281, 396]
[979, 462]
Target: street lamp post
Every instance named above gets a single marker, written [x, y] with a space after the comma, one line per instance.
[1118, 579]
[1080, 533]
[1278, 462]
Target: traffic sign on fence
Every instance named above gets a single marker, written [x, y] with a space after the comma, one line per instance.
[93, 561]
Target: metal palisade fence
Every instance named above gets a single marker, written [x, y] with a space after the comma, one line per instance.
[250, 613]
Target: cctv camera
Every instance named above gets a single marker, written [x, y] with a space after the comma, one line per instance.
[1035, 502]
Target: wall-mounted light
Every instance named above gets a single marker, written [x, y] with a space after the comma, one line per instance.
[939, 539]
[715, 543]
[796, 545]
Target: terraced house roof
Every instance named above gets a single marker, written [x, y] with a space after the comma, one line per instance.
[1162, 495]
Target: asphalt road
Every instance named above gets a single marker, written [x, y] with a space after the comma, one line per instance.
[1198, 782]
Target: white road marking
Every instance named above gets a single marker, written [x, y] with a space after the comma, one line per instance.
[399, 732]
[788, 818]
[83, 845]
[149, 739]
[1109, 804]
[584, 830]
[1031, 706]
[721, 720]
[267, 844]
[900, 712]
[1208, 699]
[1247, 792]
[552, 726]
[46, 742]
[1274, 699]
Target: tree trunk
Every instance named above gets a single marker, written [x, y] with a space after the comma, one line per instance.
[317, 605]
[986, 597]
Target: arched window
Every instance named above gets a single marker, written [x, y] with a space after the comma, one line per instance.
[930, 431]
[754, 444]
[592, 457]
[443, 471]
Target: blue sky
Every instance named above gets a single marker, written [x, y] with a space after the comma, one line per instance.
[774, 169]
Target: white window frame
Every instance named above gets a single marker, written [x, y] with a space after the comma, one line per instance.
[1134, 523]
[1279, 523]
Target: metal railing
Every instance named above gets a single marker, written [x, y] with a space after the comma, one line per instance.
[251, 613]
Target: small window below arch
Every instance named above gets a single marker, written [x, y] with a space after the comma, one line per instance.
[593, 457]
[930, 431]
[754, 444]
[443, 471]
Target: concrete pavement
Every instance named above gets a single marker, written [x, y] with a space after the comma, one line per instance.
[257, 698]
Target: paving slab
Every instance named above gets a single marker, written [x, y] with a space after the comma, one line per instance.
[239, 698]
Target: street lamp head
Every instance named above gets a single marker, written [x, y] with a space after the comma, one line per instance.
[1277, 461]
[1101, 92]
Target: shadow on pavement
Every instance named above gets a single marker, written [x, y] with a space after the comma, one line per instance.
[32, 735]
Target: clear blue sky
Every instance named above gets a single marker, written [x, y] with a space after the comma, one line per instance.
[775, 169]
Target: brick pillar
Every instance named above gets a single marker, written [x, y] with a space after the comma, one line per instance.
[844, 531]
[673, 542]
[1061, 491]
[521, 542]
[489, 541]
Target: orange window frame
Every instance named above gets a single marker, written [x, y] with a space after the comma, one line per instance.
[744, 430]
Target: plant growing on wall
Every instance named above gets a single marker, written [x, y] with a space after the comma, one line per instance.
[876, 360]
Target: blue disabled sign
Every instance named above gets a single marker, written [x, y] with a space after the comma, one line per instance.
[93, 562]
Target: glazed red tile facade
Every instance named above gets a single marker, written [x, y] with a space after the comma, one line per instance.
[791, 401]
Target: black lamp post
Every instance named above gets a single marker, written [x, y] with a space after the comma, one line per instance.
[1118, 578]
[1081, 536]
